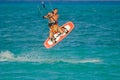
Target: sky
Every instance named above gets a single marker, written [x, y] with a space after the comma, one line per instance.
[59, 0]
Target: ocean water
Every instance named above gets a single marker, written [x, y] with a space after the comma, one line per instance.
[90, 52]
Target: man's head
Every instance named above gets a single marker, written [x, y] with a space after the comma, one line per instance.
[55, 11]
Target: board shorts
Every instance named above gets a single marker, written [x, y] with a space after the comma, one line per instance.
[53, 27]
[52, 23]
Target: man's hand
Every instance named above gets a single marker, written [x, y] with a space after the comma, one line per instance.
[43, 17]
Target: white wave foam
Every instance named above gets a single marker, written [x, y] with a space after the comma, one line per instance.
[91, 61]
[9, 56]
[6, 56]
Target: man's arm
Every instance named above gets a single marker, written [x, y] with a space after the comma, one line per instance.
[46, 16]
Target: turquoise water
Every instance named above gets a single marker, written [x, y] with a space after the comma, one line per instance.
[90, 52]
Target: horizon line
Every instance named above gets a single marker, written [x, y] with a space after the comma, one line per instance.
[52, 0]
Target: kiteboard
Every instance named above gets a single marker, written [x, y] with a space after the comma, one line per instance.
[68, 27]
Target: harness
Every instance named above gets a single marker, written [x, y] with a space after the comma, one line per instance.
[53, 22]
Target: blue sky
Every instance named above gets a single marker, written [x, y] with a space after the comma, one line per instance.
[59, 0]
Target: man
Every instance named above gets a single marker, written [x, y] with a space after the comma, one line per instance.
[56, 16]
[53, 24]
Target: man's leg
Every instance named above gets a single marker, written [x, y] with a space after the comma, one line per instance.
[51, 36]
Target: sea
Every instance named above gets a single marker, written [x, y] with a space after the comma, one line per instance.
[90, 52]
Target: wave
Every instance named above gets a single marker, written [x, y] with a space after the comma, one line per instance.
[10, 57]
